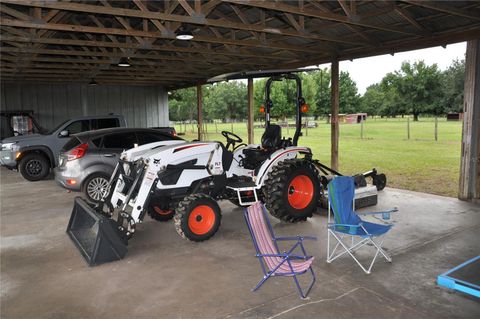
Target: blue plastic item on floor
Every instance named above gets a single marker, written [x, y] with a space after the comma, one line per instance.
[465, 277]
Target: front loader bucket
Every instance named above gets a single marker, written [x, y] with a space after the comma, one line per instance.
[95, 235]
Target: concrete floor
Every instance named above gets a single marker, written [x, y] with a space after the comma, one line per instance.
[164, 276]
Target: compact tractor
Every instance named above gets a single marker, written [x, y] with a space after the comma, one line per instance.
[184, 180]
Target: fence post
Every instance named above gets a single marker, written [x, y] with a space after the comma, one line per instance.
[436, 129]
[408, 127]
[306, 127]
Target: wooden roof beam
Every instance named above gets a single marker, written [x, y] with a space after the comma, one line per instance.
[114, 56]
[25, 38]
[198, 20]
[14, 13]
[293, 22]
[156, 23]
[470, 14]
[187, 7]
[407, 16]
[317, 14]
[114, 31]
[343, 4]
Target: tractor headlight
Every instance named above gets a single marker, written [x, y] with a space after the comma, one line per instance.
[10, 146]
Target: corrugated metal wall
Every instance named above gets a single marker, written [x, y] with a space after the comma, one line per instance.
[142, 106]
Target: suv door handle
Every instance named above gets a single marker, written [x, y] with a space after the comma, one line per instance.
[110, 155]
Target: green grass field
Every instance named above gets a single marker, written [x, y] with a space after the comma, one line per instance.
[419, 164]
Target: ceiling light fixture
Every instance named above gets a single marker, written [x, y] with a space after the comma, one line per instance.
[123, 62]
[92, 82]
[184, 35]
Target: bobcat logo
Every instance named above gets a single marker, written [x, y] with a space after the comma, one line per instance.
[156, 161]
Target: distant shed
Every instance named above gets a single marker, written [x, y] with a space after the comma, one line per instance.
[350, 118]
[455, 116]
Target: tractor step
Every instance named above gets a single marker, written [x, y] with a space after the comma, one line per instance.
[246, 191]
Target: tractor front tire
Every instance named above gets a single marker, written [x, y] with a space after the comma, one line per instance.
[197, 217]
[158, 211]
[292, 190]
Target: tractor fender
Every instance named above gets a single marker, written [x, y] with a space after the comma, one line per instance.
[275, 158]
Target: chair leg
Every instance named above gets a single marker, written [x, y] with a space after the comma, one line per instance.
[380, 249]
[347, 250]
[350, 250]
[261, 282]
[303, 294]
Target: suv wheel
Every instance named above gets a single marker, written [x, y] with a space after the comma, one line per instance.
[95, 187]
[34, 167]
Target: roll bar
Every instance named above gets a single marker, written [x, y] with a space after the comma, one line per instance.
[299, 102]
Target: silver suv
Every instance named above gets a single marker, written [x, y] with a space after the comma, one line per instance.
[87, 161]
[35, 154]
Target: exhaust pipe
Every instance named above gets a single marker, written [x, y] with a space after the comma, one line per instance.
[95, 235]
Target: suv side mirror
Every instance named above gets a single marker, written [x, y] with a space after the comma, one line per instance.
[64, 133]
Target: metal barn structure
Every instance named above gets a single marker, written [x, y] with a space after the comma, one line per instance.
[78, 42]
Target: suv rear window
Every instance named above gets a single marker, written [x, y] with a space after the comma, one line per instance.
[105, 123]
[120, 140]
[150, 137]
[73, 142]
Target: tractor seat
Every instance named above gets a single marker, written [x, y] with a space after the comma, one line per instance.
[272, 137]
[271, 141]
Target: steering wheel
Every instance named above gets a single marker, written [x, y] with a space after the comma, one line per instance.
[231, 139]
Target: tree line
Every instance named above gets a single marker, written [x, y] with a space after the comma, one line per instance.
[415, 89]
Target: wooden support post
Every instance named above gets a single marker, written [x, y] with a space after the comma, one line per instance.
[334, 125]
[199, 110]
[469, 188]
[408, 127]
[250, 111]
[361, 128]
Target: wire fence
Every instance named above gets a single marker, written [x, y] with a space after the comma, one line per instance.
[393, 128]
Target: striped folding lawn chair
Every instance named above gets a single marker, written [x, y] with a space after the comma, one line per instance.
[346, 223]
[272, 262]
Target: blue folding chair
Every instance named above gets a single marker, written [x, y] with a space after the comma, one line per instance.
[347, 223]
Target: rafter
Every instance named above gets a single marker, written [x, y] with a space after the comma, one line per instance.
[24, 38]
[471, 14]
[187, 7]
[317, 14]
[115, 55]
[407, 16]
[123, 32]
[199, 20]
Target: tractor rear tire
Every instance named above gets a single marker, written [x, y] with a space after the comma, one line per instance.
[158, 211]
[197, 217]
[292, 190]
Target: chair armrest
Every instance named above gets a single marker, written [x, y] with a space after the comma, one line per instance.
[377, 213]
[272, 255]
[352, 229]
[284, 255]
[345, 225]
[301, 238]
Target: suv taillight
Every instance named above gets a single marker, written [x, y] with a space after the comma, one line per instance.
[77, 152]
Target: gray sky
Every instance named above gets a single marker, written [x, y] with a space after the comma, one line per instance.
[368, 71]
